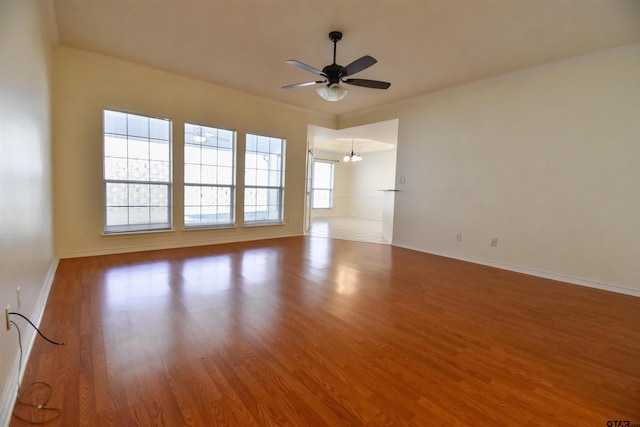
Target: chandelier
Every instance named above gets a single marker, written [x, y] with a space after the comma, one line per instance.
[352, 157]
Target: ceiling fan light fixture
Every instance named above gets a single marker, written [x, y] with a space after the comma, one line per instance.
[333, 92]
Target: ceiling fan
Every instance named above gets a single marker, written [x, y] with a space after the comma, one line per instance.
[334, 74]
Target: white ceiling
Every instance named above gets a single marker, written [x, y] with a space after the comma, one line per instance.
[371, 137]
[421, 45]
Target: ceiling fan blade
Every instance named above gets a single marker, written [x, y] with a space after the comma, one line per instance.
[374, 84]
[358, 65]
[303, 84]
[306, 67]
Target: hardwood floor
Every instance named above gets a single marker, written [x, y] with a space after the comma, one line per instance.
[310, 331]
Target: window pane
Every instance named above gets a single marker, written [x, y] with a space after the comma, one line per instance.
[192, 195]
[159, 129]
[117, 216]
[262, 162]
[252, 143]
[249, 199]
[159, 215]
[192, 154]
[138, 195]
[138, 148]
[321, 199]
[159, 171]
[115, 123]
[191, 174]
[209, 174]
[159, 195]
[226, 139]
[159, 151]
[209, 156]
[139, 215]
[137, 125]
[192, 215]
[264, 179]
[224, 199]
[115, 146]
[225, 158]
[208, 196]
[115, 168]
[250, 160]
[322, 191]
[117, 194]
[275, 147]
[225, 175]
[263, 144]
[250, 177]
[274, 178]
[137, 172]
[209, 171]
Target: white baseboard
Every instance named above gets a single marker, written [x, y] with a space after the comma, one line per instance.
[525, 270]
[28, 338]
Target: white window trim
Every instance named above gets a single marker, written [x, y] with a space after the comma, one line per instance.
[137, 228]
[232, 187]
[280, 188]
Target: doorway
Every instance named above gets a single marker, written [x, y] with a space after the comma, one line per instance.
[361, 207]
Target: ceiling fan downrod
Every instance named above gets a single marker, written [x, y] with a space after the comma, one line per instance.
[335, 37]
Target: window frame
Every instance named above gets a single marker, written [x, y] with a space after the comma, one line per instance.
[149, 226]
[331, 163]
[280, 189]
[232, 187]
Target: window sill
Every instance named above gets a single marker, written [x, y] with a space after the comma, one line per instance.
[210, 227]
[262, 224]
[129, 233]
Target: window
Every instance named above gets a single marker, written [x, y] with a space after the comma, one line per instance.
[209, 176]
[322, 191]
[137, 172]
[264, 180]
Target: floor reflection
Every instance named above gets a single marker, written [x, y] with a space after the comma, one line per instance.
[135, 321]
[207, 275]
[347, 280]
[131, 284]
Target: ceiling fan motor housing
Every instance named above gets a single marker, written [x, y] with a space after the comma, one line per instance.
[333, 73]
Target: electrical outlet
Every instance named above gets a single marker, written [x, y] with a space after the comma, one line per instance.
[494, 242]
[6, 317]
[459, 237]
[18, 301]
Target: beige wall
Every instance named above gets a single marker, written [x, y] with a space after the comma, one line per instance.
[26, 249]
[86, 83]
[374, 173]
[546, 160]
